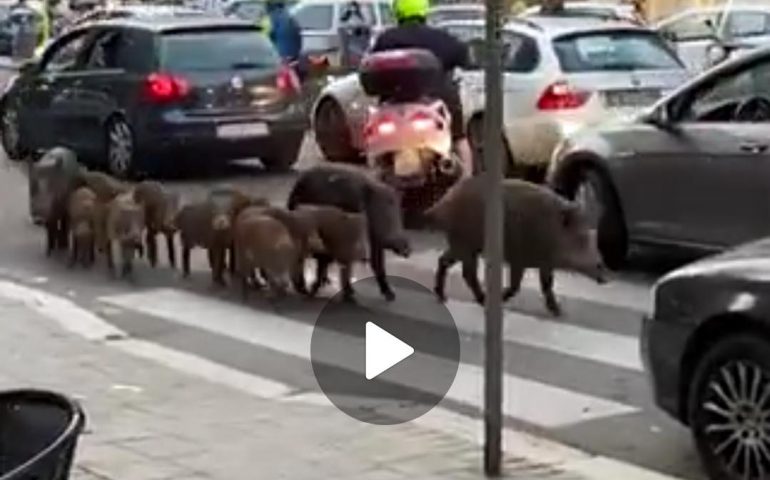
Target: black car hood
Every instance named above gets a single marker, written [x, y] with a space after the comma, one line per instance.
[750, 262]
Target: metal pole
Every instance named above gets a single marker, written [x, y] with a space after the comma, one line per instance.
[493, 249]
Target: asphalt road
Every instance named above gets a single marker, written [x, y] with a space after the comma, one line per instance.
[577, 380]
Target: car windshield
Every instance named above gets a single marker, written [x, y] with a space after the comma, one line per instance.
[602, 51]
[217, 50]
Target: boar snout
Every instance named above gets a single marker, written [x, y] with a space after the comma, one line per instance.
[220, 223]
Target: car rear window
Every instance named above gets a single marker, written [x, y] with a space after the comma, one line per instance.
[217, 50]
[612, 51]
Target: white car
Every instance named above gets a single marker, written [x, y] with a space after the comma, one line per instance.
[693, 31]
[560, 74]
[456, 11]
[605, 9]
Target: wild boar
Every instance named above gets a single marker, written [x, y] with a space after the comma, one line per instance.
[541, 230]
[105, 186]
[82, 225]
[264, 243]
[124, 225]
[160, 208]
[343, 240]
[51, 181]
[356, 190]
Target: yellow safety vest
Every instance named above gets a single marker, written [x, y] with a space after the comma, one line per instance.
[265, 25]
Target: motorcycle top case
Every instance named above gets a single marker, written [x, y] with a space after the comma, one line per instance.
[401, 75]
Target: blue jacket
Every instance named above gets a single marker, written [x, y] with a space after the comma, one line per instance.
[285, 33]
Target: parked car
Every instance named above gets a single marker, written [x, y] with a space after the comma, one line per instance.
[138, 12]
[320, 21]
[560, 74]
[583, 9]
[706, 351]
[694, 32]
[692, 171]
[456, 11]
[250, 10]
[155, 94]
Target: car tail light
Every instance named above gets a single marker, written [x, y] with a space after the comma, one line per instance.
[287, 80]
[422, 121]
[380, 126]
[562, 96]
[163, 87]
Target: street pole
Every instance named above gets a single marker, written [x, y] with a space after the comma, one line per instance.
[493, 248]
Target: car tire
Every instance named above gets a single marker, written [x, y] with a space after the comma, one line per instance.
[120, 154]
[11, 134]
[475, 132]
[741, 360]
[333, 135]
[283, 156]
[595, 193]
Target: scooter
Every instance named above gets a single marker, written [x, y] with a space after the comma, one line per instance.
[407, 136]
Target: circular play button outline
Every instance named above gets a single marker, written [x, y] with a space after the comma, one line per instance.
[383, 362]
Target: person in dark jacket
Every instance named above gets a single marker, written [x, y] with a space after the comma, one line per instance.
[284, 31]
[413, 31]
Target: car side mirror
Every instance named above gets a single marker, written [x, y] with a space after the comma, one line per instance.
[660, 117]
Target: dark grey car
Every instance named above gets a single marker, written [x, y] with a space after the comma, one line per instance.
[706, 349]
[693, 171]
[147, 95]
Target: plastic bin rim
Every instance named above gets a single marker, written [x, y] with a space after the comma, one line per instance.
[73, 429]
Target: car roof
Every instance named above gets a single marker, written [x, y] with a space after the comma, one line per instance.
[458, 6]
[169, 23]
[327, 2]
[551, 27]
[149, 10]
[745, 7]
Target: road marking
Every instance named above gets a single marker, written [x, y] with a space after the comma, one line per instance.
[543, 405]
[538, 449]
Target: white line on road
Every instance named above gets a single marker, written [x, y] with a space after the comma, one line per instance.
[543, 405]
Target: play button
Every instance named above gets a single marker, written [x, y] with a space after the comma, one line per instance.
[385, 362]
[383, 350]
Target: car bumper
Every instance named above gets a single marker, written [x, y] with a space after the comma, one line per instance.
[178, 135]
[662, 345]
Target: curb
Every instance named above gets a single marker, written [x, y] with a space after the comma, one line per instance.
[554, 456]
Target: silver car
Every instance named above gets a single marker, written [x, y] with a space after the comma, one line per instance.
[694, 32]
[692, 171]
[560, 74]
[607, 10]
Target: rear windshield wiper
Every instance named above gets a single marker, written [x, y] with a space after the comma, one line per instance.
[247, 65]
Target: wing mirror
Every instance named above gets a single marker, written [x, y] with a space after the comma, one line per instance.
[660, 117]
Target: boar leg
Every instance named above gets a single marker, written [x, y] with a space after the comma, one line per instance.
[216, 260]
[152, 247]
[231, 260]
[377, 263]
[171, 249]
[546, 288]
[471, 277]
[446, 261]
[51, 233]
[298, 277]
[74, 257]
[346, 273]
[322, 272]
[126, 257]
[108, 251]
[63, 232]
[515, 274]
[185, 260]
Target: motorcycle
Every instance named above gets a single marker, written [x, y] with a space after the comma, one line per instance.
[407, 135]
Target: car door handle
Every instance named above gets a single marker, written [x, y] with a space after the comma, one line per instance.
[752, 147]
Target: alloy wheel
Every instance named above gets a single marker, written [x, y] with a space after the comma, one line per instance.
[120, 148]
[736, 412]
[589, 198]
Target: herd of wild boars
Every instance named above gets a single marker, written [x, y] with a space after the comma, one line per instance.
[335, 214]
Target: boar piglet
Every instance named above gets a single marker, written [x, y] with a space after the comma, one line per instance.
[123, 229]
[356, 190]
[51, 181]
[264, 243]
[82, 212]
[541, 230]
[160, 209]
[105, 186]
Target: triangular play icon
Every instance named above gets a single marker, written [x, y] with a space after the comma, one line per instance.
[383, 350]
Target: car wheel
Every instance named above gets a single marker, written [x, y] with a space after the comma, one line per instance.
[333, 135]
[11, 134]
[120, 148]
[729, 408]
[594, 194]
[284, 155]
[475, 134]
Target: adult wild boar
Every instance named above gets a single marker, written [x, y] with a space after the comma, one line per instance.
[160, 208]
[542, 230]
[51, 181]
[82, 213]
[356, 190]
[124, 224]
[264, 243]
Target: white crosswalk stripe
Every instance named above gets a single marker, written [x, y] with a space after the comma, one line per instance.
[545, 405]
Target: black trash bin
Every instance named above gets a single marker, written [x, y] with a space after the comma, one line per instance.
[39, 431]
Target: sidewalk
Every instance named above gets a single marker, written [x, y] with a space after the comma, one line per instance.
[149, 422]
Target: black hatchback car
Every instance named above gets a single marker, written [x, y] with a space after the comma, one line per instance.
[151, 95]
[706, 348]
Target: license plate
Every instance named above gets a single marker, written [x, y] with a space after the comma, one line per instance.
[631, 98]
[242, 130]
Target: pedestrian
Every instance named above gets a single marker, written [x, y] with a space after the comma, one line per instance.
[283, 30]
[355, 35]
